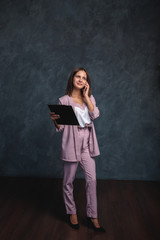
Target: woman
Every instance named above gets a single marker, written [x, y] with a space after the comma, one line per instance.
[79, 146]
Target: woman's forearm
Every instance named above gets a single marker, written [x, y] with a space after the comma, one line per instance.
[89, 104]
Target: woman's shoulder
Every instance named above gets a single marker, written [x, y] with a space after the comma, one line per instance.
[64, 99]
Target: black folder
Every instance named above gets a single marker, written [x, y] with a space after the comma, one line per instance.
[67, 115]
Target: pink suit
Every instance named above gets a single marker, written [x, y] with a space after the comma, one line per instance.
[79, 145]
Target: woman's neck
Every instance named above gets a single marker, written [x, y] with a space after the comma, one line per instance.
[76, 93]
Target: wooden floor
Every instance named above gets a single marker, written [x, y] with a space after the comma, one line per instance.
[33, 209]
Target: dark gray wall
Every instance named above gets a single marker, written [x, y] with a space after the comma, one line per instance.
[41, 41]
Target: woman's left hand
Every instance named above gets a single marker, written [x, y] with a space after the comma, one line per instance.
[86, 90]
[86, 97]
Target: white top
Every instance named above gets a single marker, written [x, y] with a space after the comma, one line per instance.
[82, 116]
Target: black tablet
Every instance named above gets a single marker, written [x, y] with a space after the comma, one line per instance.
[67, 115]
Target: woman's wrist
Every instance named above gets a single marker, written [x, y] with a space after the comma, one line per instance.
[56, 125]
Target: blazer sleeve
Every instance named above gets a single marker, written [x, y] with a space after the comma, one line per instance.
[95, 113]
[61, 126]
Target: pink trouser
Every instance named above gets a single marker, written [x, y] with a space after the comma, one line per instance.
[88, 165]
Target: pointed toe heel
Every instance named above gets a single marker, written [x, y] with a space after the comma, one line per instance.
[96, 229]
[74, 226]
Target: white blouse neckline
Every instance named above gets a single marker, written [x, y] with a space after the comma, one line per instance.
[79, 104]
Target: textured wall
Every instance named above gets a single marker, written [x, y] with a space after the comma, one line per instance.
[41, 41]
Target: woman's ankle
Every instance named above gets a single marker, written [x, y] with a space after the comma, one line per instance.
[95, 222]
[74, 218]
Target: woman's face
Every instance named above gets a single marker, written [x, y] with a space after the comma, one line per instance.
[79, 79]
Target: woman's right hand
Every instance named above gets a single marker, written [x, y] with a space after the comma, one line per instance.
[54, 116]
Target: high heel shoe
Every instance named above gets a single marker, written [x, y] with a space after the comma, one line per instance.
[74, 226]
[97, 229]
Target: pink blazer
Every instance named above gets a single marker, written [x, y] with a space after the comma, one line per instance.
[70, 146]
